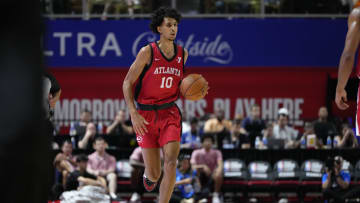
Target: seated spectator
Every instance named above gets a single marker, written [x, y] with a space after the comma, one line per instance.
[86, 140]
[267, 134]
[254, 124]
[309, 139]
[98, 7]
[347, 139]
[85, 119]
[80, 177]
[335, 182]
[64, 161]
[191, 139]
[186, 182]
[218, 126]
[78, 129]
[283, 131]
[324, 128]
[130, 5]
[120, 132]
[239, 137]
[208, 163]
[104, 165]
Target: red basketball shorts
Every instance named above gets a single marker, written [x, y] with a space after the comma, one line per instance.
[164, 126]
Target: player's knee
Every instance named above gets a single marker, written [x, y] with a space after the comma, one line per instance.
[170, 164]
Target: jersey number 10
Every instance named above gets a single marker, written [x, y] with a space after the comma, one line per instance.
[166, 82]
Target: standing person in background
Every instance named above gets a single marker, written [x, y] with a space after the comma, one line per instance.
[52, 92]
[347, 62]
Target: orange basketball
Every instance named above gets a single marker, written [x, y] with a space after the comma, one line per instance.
[194, 87]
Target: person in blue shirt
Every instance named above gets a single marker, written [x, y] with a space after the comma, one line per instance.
[187, 185]
[191, 139]
[335, 182]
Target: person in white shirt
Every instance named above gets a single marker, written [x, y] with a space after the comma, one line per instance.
[282, 131]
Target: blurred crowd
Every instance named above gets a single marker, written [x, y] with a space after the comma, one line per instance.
[105, 7]
[200, 173]
[239, 133]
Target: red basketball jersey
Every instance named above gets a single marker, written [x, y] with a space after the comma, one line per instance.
[159, 81]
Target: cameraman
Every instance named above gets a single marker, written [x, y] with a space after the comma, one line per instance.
[335, 182]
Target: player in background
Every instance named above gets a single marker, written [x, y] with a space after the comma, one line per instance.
[347, 62]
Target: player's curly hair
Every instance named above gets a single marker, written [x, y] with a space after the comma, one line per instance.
[160, 14]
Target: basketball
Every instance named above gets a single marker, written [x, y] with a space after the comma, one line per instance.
[194, 87]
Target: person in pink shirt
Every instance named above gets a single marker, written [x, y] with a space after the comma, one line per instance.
[209, 165]
[103, 164]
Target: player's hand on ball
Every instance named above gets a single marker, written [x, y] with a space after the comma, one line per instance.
[341, 98]
[139, 123]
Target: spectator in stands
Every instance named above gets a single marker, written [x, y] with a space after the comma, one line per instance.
[81, 177]
[254, 124]
[209, 165]
[98, 6]
[267, 134]
[186, 182]
[78, 129]
[239, 137]
[347, 139]
[81, 125]
[86, 140]
[309, 139]
[335, 182]
[323, 128]
[120, 132]
[220, 6]
[64, 161]
[104, 165]
[129, 6]
[137, 163]
[191, 139]
[283, 131]
[219, 126]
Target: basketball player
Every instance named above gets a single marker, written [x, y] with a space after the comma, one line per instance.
[158, 70]
[347, 61]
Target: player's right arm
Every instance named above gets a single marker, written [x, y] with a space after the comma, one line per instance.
[348, 58]
[143, 58]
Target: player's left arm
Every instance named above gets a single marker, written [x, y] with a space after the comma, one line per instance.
[186, 55]
[348, 57]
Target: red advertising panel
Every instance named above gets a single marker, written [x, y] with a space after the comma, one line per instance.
[235, 90]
